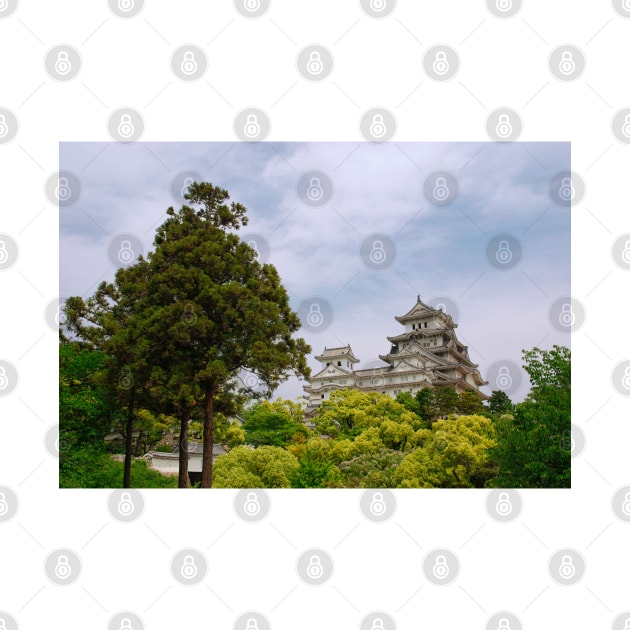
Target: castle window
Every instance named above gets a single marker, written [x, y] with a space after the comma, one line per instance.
[413, 326]
[322, 395]
[425, 324]
[339, 363]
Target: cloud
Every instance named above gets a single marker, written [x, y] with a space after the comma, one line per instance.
[377, 189]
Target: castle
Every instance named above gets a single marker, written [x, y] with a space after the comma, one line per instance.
[426, 354]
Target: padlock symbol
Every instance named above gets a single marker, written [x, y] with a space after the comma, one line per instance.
[567, 568]
[504, 624]
[62, 568]
[252, 5]
[125, 5]
[252, 624]
[378, 506]
[125, 126]
[567, 63]
[189, 568]
[125, 624]
[504, 5]
[314, 64]
[440, 568]
[440, 63]
[315, 191]
[504, 380]
[189, 63]
[4, 129]
[315, 317]
[4, 506]
[63, 191]
[315, 569]
[377, 127]
[504, 253]
[378, 255]
[378, 624]
[4, 5]
[625, 381]
[566, 191]
[62, 65]
[252, 505]
[125, 254]
[378, 5]
[4, 381]
[567, 317]
[504, 505]
[440, 189]
[187, 182]
[125, 505]
[625, 506]
[504, 126]
[625, 254]
[252, 127]
[626, 624]
[4, 254]
[626, 5]
[625, 128]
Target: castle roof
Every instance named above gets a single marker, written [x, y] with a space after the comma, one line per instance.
[344, 352]
[420, 309]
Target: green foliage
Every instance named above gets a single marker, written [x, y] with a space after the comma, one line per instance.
[533, 449]
[273, 424]
[85, 411]
[90, 467]
[499, 403]
[349, 413]
[371, 470]
[263, 467]
[452, 454]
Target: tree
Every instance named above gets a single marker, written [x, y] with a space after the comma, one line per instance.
[263, 467]
[349, 413]
[426, 404]
[272, 424]
[371, 470]
[469, 403]
[454, 453]
[445, 401]
[499, 403]
[227, 312]
[533, 449]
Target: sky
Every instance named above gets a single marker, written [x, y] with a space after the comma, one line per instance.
[356, 231]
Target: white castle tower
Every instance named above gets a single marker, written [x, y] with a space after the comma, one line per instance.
[426, 354]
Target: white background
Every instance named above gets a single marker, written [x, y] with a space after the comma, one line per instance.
[252, 63]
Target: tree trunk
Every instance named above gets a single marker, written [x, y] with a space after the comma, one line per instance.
[183, 480]
[208, 439]
[128, 445]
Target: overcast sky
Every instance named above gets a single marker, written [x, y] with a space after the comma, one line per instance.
[362, 246]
